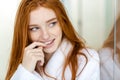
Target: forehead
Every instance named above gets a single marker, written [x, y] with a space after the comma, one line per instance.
[42, 14]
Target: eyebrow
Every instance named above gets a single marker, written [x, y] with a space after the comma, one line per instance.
[33, 25]
[51, 20]
[46, 22]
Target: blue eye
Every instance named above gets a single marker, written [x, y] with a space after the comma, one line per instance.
[52, 24]
[34, 28]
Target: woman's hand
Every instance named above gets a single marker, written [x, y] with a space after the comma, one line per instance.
[32, 54]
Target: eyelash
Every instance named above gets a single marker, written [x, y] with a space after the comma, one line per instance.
[34, 28]
[52, 24]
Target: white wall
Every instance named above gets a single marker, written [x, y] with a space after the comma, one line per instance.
[97, 20]
[93, 18]
[71, 7]
[7, 15]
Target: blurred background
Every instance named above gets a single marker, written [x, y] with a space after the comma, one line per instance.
[92, 19]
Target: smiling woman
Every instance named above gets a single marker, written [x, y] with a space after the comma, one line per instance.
[46, 46]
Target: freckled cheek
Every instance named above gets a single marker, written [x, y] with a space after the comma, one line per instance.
[59, 32]
[56, 31]
[35, 37]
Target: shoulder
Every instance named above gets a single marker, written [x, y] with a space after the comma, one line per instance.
[21, 72]
[90, 53]
[90, 67]
[91, 57]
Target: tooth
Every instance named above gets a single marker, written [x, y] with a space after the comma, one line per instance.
[47, 42]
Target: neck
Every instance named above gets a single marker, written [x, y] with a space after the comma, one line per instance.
[47, 57]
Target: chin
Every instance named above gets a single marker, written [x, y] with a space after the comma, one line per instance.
[52, 47]
[51, 50]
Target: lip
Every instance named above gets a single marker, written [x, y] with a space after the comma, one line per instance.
[50, 44]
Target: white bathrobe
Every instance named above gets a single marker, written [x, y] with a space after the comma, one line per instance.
[54, 66]
[110, 69]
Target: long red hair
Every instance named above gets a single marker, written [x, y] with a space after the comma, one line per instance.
[21, 35]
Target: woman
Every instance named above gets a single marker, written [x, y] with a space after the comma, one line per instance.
[110, 55]
[46, 47]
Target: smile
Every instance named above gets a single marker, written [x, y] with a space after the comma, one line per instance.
[49, 43]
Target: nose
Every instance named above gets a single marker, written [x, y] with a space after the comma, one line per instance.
[45, 34]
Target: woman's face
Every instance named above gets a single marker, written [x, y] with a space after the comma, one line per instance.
[44, 27]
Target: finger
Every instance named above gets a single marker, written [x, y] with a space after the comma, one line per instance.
[36, 50]
[34, 44]
[27, 50]
[32, 52]
[40, 63]
[38, 54]
[40, 60]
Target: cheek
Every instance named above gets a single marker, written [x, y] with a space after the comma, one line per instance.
[57, 31]
[34, 36]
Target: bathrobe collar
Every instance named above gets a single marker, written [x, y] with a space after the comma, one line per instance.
[56, 62]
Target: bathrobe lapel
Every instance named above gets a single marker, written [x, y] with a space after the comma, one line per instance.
[55, 65]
